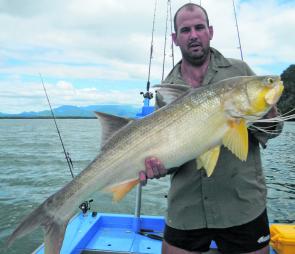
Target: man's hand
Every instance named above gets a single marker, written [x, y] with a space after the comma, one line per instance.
[273, 112]
[271, 129]
[154, 168]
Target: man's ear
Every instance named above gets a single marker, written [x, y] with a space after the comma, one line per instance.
[211, 32]
[174, 38]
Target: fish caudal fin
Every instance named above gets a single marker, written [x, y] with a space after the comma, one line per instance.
[54, 231]
[30, 223]
[54, 235]
[121, 189]
[236, 138]
[208, 160]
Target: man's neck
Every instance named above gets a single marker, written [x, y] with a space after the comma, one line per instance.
[194, 75]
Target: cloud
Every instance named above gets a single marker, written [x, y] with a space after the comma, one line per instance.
[108, 42]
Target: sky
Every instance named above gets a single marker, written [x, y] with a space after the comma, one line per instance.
[92, 52]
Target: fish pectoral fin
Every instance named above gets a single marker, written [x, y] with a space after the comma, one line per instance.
[236, 138]
[119, 190]
[54, 235]
[208, 160]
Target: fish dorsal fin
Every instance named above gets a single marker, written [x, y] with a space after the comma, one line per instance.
[119, 190]
[110, 124]
[236, 138]
[208, 160]
[170, 92]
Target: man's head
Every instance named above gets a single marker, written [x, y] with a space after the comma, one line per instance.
[192, 33]
[189, 6]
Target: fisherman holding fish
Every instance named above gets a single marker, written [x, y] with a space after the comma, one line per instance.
[218, 188]
[228, 207]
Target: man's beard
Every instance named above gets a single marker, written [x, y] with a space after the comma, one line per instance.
[196, 59]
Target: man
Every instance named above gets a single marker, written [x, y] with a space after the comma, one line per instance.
[228, 207]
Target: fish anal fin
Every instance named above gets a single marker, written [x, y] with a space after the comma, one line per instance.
[121, 189]
[54, 235]
[209, 160]
[236, 138]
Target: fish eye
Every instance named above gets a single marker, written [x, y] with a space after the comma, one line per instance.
[270, 80]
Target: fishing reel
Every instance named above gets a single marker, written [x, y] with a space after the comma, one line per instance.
[85, 206]
[148, 95]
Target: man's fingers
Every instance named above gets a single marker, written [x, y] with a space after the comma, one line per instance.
[152, 165]
[273, 112]
[142, 177]
[153, 169]
[162, 170]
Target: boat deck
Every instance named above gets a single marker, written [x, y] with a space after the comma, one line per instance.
[114, 233]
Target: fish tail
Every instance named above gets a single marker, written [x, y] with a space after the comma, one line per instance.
[54, 235]
[54, 230]
[30, 223]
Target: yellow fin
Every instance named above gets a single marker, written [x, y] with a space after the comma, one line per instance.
[121, 189]
[208, 160]
[236, 138]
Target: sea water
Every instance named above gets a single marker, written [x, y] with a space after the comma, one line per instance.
[33, 166]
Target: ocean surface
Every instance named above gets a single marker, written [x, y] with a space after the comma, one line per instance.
[33, 166]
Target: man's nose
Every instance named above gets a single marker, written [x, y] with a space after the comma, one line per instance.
[194, 33]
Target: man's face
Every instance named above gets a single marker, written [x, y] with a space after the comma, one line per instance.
[193, 35]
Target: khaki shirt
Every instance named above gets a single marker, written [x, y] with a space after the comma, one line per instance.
[236, 192]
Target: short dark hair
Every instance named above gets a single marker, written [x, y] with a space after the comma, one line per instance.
[190, 7]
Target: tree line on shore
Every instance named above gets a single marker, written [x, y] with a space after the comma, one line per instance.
[286, 104]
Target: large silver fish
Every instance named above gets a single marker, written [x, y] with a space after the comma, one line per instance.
[193, 126]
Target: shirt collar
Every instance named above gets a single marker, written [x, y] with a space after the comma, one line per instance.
[217, 60]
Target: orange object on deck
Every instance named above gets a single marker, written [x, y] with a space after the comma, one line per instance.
[283, 238]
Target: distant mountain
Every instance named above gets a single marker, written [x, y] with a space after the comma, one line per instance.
[73, 111]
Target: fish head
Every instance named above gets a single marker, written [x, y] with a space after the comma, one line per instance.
[255, 96]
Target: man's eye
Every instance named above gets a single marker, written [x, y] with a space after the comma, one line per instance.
[199, 27]
[185, 30]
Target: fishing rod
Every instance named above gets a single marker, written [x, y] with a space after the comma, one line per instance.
[67, 155]
[165, 41]
[166, 28]
[171, 31]
[85, 205]
[238, 32]
[148, 94]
